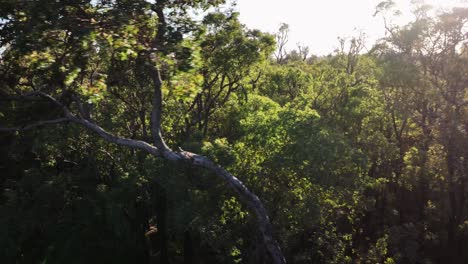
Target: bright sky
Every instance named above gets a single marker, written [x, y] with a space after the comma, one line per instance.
[318, 23]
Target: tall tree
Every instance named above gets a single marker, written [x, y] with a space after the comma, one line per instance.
[61, 54]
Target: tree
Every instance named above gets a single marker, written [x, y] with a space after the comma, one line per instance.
[229, 53]
[420, 62]
[281, 41]
[63, 57]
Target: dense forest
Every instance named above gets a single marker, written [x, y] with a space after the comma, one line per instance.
[168, 132]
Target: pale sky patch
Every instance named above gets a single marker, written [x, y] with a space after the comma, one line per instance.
[318, 23]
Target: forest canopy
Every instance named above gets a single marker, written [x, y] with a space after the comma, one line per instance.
[168, 132]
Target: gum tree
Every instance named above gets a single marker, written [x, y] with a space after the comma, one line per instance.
[74, 55]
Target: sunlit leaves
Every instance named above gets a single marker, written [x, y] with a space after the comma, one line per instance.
[232, 211]
[71, 76]
[185, 86]
[39, 59]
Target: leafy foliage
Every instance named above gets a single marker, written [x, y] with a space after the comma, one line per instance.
[359, 157]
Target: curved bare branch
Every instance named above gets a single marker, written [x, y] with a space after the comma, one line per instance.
[35, 125]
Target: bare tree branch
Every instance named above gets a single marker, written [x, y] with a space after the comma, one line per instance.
[49, 98]
[35, 125]
[247, 197]
[84, 112]
[131, 143]
[156, 131]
